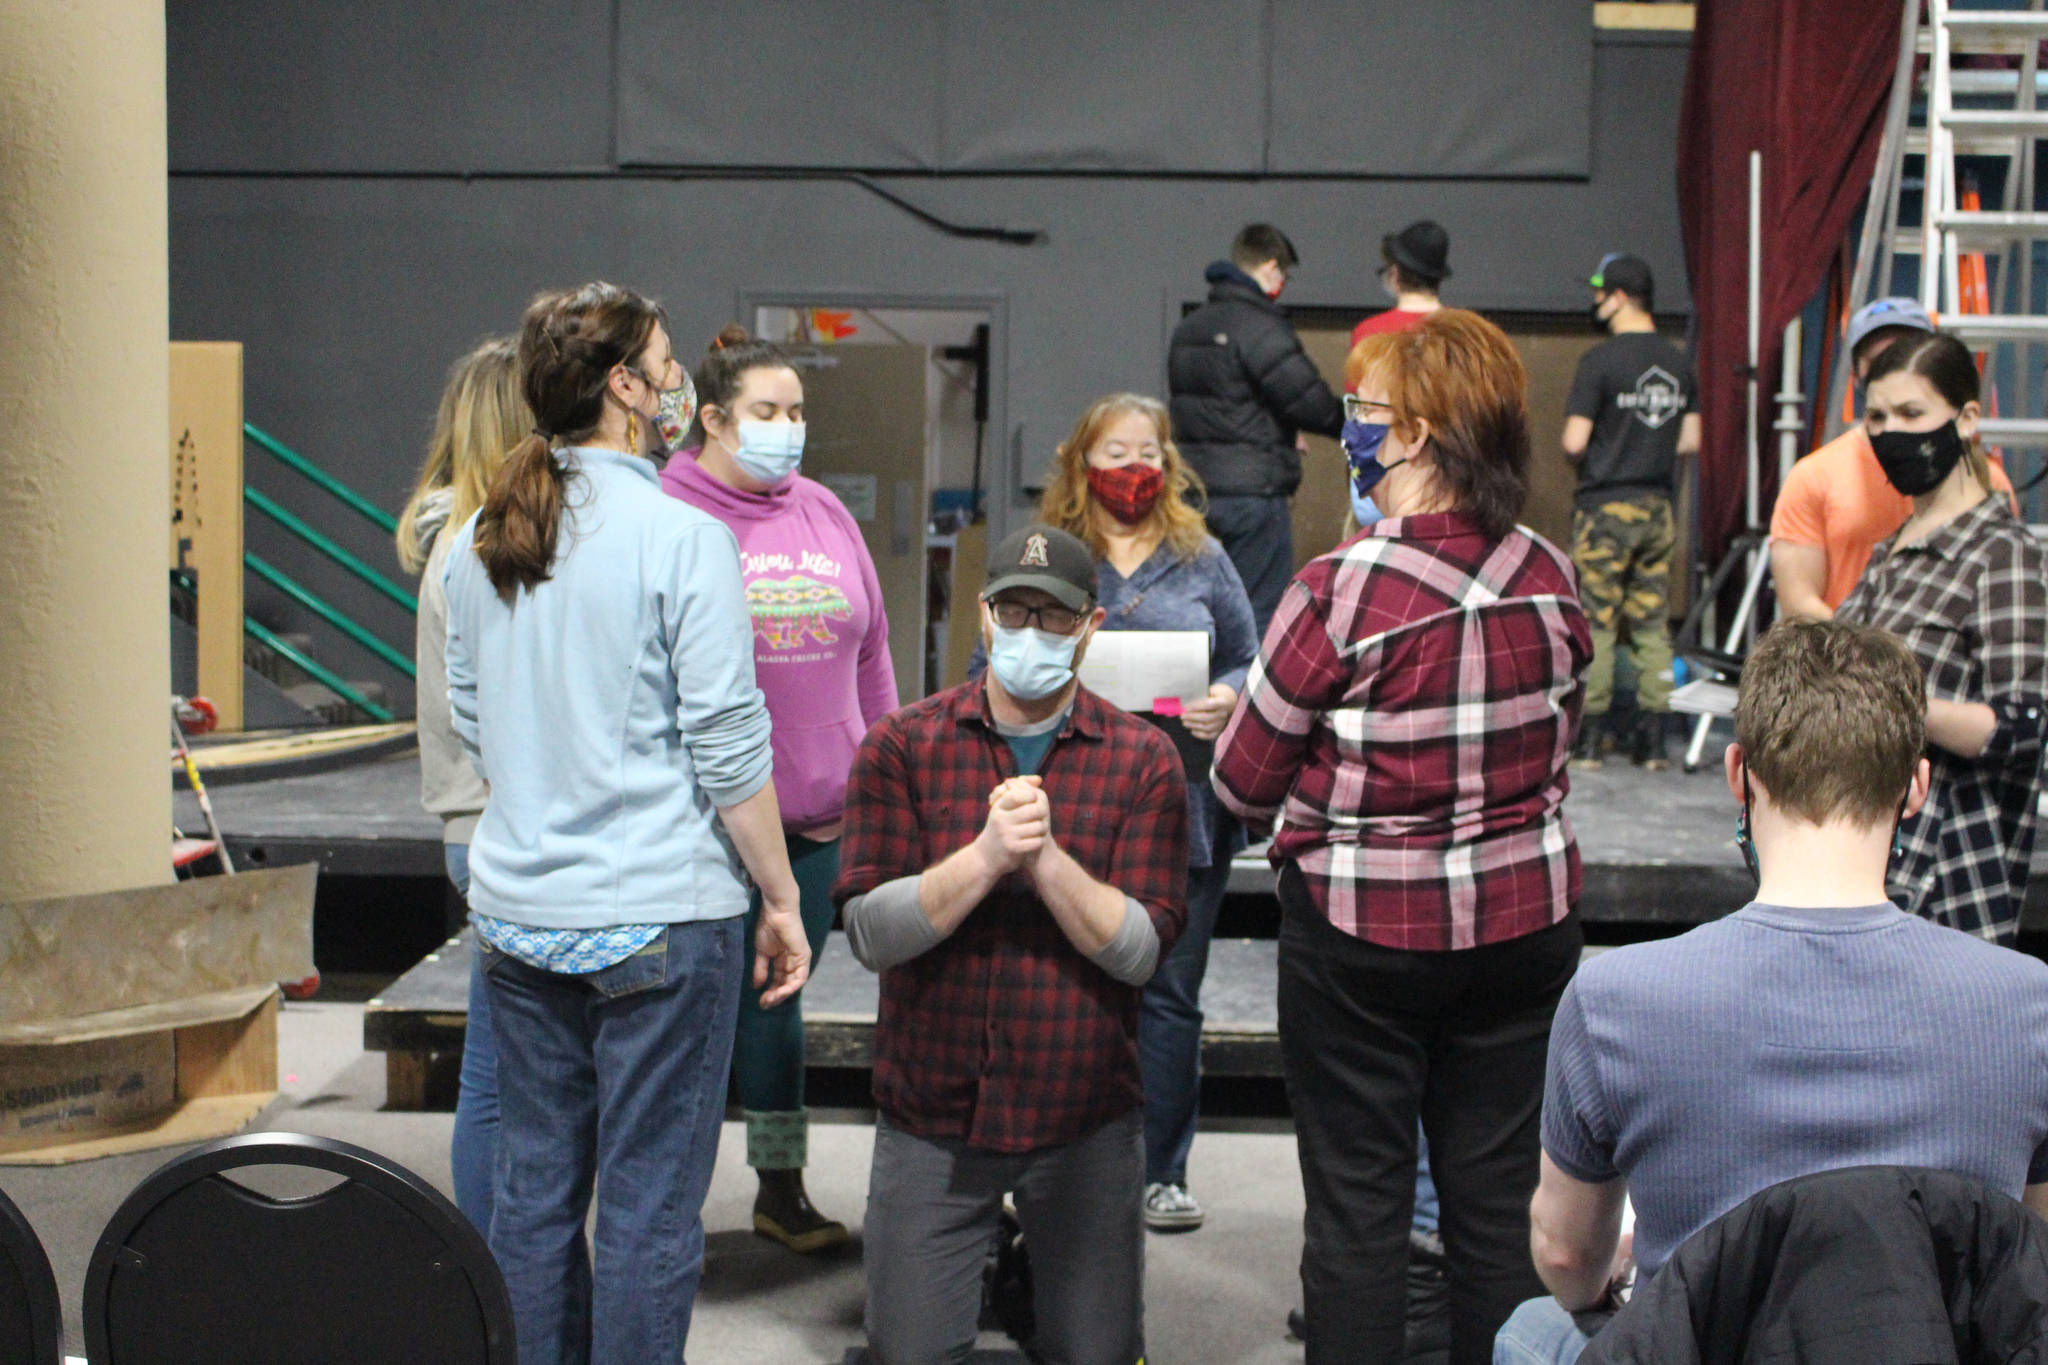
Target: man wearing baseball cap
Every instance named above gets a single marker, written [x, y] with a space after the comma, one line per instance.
[1014, 866]
[1414, 263]
[1628, 422]
[1836, 505]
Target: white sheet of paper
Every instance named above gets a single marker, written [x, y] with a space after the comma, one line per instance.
[1705, 697]
[1132, 669]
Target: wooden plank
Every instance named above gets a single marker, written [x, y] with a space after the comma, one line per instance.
[1669, 18]
[271, 748]
[232, 1057]
[206, 507]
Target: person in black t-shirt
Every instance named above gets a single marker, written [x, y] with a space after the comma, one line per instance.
[1629, 421]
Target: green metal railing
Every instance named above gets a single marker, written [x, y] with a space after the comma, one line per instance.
[350, 628]
[306, 533]
[310, 666]
[328, 612]
[292, 460]
[317, 671]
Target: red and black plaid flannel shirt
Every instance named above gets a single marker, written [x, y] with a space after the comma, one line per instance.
[1004, 1035]
[1408, 721]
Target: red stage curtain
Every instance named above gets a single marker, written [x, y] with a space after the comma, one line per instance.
[1805, 82]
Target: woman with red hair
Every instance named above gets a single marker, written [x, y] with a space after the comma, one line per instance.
[1407, 726]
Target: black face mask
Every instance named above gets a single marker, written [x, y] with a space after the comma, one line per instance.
[1915, 462]
[1599, 323]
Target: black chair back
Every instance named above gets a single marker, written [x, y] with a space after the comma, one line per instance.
[197, 1269]
[31, 1318]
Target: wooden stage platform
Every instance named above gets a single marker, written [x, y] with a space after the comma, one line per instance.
[1658, 851]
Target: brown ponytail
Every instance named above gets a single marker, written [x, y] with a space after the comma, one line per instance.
[569, 343]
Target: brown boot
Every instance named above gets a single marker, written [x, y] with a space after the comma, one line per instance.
[783, 1213]
[1652, 741]
[1587, 753]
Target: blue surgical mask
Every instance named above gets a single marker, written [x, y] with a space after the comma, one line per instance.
[1032, 664]
[1362, 442]
[770, 451]
[1367, 511]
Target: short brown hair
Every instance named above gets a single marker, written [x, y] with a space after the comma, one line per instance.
[1459, 373]
[1176, 517]
[1832, 719]
[1258, 243]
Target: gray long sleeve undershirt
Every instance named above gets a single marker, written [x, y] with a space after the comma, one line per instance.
[886, 927]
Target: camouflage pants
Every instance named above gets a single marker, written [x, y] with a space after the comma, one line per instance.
[1622, 550]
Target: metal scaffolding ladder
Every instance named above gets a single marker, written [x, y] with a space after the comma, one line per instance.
[1981, 286]
[1988, 114]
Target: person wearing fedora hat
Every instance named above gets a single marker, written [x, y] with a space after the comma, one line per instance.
[1015, 868]
[1414, 264]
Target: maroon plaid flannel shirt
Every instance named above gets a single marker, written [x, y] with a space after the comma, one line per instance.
[1408, 721]
[1004, 1035]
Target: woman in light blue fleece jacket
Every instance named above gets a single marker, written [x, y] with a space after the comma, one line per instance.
[601, 677]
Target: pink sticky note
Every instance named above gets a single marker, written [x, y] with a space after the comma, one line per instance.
[1166, 706]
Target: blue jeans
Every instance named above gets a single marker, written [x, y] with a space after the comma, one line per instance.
[1541, 1333]
[1428, 1212]
[1170, 1032]
[768, 1051]
[474, 1151]
[614, 1079]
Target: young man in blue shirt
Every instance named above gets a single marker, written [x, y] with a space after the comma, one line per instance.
[1816, 1028]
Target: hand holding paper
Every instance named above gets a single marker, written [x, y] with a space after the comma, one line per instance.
[1206, 718]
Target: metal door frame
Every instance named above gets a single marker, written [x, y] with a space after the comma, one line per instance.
[999, 454]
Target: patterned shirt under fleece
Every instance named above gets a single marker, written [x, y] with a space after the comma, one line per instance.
[1003, 1035]
[1971, 602]
[1408, 722]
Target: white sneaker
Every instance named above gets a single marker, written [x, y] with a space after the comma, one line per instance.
[1170, 1208]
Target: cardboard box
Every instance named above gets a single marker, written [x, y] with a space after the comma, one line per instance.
[171, 1035]
[52, 1092]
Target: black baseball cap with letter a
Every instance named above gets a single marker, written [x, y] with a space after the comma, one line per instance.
[1045, 558]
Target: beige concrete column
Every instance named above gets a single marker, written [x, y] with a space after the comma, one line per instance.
[84, 473]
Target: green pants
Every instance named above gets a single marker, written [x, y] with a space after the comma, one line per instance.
[1622, 550]
[768, 1050]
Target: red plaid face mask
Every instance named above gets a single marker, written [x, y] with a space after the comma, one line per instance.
[1129, 490]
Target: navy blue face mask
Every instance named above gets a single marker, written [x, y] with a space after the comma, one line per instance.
[1362, 442]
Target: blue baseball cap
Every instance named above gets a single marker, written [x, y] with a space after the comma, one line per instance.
[1883, 313]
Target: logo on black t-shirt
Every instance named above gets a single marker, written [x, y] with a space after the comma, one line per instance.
[1655, 400]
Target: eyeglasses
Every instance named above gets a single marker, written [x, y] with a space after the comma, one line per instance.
[1016, 616]
[1356, 408]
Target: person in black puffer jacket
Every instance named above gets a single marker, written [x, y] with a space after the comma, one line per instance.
[1242, 389]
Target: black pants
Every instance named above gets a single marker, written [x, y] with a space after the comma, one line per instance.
[1258, 535]
[1371, 1037]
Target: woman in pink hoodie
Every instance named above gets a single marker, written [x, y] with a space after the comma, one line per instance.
[821, 656]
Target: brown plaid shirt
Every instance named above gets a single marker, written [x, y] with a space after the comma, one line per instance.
[1004, 1035]
[1971, 602]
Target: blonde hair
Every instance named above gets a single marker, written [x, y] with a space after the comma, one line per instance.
[1176, 518]
[481, 417]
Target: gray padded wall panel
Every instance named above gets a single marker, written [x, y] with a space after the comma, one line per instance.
[1091, 85]
[1234, 87]
[312, 276]
[388, 84]
[787, 83]
[1446, 88]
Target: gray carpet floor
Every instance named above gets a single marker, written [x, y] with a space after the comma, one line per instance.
[1217, 1296]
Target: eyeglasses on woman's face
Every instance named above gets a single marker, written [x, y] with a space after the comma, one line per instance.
[1361, 409]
